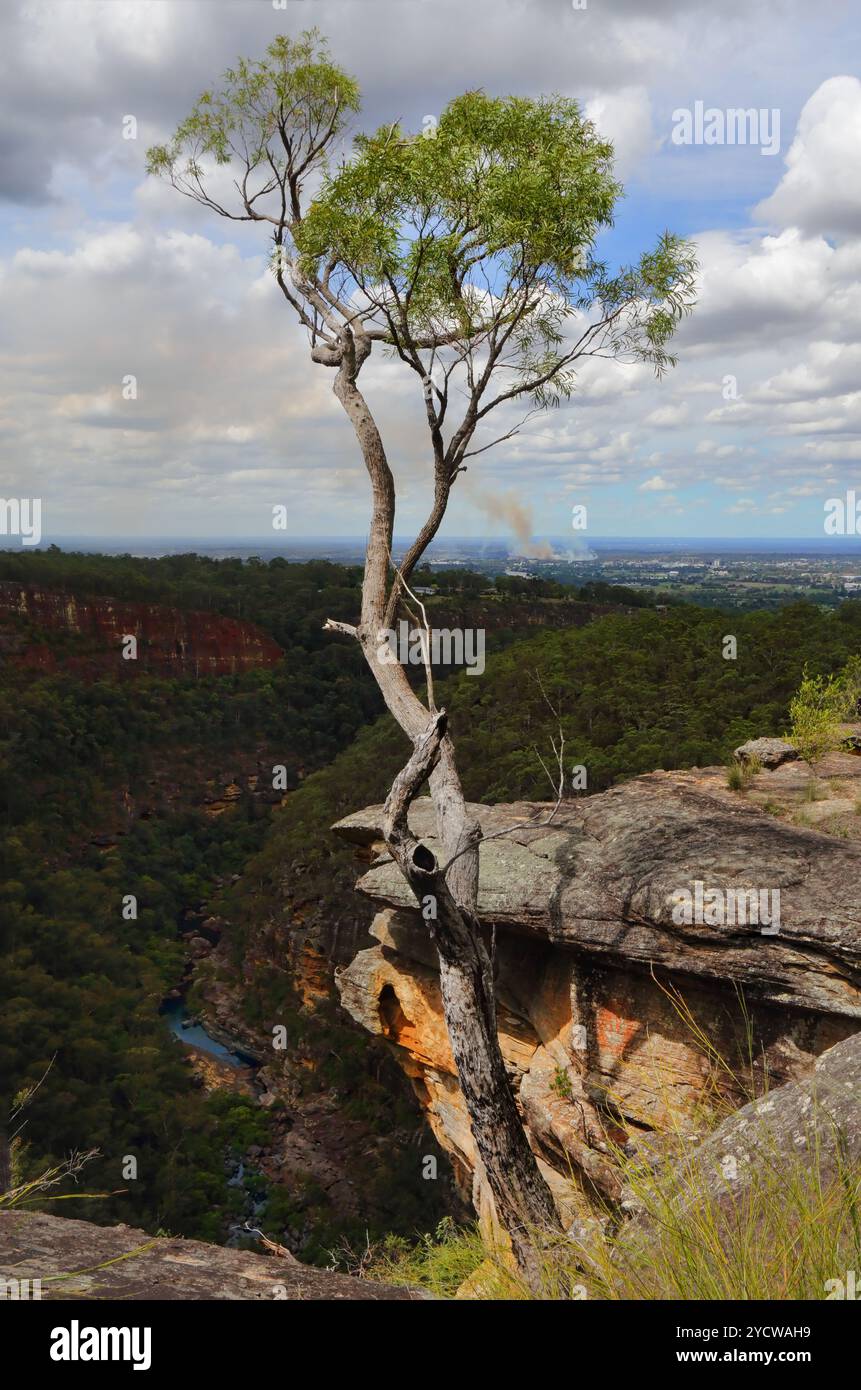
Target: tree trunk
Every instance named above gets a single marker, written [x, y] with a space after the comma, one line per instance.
[523, 1200]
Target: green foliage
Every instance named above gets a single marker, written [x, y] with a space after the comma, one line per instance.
[439, 1261]
[635, 690]
[77, 979]
[794, 1226]
[635, 693]
[54, 727]
[561, 1083]
[817, 710]
[527, 181]
[271, 110]
[850, 686]
[80, 983]
[785, 1231]
[483, 233]
[490, 226]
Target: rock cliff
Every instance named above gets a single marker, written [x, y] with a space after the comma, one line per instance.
[170, 641]
[622, 1012]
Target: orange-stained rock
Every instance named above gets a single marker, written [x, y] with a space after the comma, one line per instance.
[615, 1021]
[170, 641]
[311, 971]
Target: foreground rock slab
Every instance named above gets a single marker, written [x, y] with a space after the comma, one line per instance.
[71, 1259]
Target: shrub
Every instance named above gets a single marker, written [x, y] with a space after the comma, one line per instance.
[816, 712]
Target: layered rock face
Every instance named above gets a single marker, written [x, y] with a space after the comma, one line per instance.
[170, 641]
[656, 945]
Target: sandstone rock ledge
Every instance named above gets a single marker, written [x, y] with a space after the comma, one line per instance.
[613, 1017]
[71, 1258]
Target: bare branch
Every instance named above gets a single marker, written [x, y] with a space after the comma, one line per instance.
[558, 786]
[473, 453]
[333, 625]
[426, 644]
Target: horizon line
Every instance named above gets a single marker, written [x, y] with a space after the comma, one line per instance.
[361, 539]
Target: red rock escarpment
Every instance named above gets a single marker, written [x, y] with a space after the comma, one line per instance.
[170, 641]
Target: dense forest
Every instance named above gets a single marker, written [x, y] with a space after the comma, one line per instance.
[632, 692]
[104, 785]
[105, 789]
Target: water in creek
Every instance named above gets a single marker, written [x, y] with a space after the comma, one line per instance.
[237, 1174]
[184, 1027]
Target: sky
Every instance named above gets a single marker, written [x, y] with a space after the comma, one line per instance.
[107, 274]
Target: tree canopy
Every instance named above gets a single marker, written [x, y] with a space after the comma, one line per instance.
[468, 248]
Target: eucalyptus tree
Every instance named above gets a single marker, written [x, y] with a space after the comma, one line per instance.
[467, 254]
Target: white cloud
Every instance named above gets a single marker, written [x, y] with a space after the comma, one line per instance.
[821, 189]
[231, 413]
[667, 416]
[625, 118]
[103, 253]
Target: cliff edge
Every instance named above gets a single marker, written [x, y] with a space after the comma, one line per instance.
[657, 945]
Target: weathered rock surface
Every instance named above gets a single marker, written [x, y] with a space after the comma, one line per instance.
[66, 1256]
[613, 1012]
[736, 1174]
[770, 752]
[821, 1113]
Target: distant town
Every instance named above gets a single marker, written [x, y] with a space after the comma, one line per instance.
[721, 581]
[721, 573]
